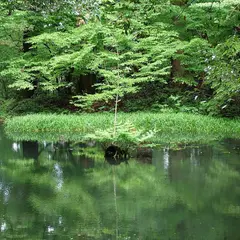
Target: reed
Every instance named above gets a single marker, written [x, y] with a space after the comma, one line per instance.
[170, 127]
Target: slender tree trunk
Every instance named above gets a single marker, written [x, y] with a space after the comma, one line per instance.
[116, 103]
[115, 116]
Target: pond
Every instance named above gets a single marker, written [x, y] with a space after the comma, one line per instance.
[58, 191]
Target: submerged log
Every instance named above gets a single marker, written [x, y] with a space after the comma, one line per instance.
[114, 155]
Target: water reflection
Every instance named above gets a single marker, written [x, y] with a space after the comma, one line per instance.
[61, 191]
[30, 149]
[16, 147]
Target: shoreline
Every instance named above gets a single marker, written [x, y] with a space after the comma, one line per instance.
[170, 127]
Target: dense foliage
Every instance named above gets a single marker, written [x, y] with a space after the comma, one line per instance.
[150, 54]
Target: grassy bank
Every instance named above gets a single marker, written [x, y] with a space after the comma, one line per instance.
[171, 127]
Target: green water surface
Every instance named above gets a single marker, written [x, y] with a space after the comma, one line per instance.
[57, 191]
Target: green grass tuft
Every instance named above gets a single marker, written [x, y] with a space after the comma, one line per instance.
[171, 127]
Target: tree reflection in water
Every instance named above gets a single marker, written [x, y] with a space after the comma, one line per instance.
[189, 193]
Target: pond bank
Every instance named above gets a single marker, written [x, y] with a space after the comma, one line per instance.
[170, 127]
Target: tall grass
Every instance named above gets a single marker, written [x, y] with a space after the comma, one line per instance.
[171, 127]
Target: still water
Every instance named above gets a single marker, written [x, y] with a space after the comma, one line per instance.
[57, 191]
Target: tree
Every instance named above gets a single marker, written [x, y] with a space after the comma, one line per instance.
[119, 46]
[224, 77]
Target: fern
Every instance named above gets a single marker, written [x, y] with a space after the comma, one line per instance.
[126, 136]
